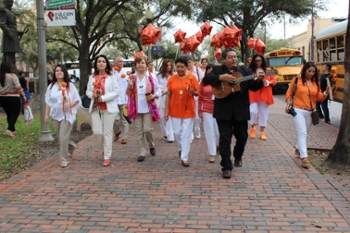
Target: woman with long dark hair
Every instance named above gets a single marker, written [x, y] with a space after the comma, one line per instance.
[103, 91]
[62, 103]
[205, 111]
[307, 91]
[165, 72]
[260, 101]
[10, 89]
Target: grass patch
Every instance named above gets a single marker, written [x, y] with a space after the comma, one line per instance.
[19, 153]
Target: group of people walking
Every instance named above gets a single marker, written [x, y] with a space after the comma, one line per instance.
[180, 98]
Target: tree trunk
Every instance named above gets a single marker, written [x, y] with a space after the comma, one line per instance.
[85, 67]
[341, 150]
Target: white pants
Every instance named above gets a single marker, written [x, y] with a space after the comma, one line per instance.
[302, 122]
[166, 126]
[260, 110]
[182, 130]
[197, 121]
[103, 130]
[120, 124]
[63, 129]
[211, 132]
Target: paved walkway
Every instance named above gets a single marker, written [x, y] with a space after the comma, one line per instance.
[270, 193]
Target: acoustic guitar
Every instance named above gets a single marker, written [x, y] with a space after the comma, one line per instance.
[226, 88]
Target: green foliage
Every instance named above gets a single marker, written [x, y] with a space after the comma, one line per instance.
[248, 15]
[18, 153]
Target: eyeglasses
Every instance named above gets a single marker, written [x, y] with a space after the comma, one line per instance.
[257, 60]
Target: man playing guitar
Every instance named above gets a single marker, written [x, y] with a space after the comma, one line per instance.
[232, 112]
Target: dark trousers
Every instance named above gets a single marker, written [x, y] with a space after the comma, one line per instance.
[323, 111]
[240, 130]
[12, 108]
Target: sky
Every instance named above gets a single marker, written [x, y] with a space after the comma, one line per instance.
[336, 8]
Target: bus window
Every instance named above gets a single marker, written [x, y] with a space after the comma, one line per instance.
[319, 52]
[325, 50]
[332, 49]
[340, 52]
[285, 61]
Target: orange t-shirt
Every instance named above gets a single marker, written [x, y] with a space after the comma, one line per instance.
[304, 94]
[264, 94]
[182, 103]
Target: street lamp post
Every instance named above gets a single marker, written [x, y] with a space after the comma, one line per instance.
[45, 135]
[149, 17]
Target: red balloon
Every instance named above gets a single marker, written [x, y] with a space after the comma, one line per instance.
[251, 43]
[190, 44]
[141, 53]
[230, 38]
[217, 40]
[149, 35]
[206, 29]
[199, 36]
[217, 53]
[239, 31]
[179, 36]
[259, 46]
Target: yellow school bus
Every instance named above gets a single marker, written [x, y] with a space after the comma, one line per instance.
[288, 62]
[330, 48]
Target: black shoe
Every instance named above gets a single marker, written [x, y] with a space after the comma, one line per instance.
[238, 163]
[165, 137]
[327, 122]
[226, 174]
[170, 141]
[152, 151]
[141, 158]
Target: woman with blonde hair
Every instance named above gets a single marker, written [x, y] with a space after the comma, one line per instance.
[142, 91]
[62, 103]
[103, 90]
[165, 72]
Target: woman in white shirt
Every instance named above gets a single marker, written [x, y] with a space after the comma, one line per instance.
[142, 91]
[62, 103]
[103, 91]
[165, 72]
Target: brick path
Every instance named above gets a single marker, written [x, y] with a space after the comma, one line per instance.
[270, 193]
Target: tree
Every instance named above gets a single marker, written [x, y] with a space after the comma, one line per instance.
[341, 150]
[135, 19]
[95, 28]
[248, 15]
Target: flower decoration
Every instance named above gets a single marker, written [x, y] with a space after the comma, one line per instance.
[116, 68]
[65, 94]
[123, 75]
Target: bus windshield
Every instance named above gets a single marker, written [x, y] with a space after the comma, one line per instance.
[285, 61]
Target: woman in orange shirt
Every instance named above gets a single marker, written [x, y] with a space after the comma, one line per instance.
[306, 93]
[180, 106]
[260, 101]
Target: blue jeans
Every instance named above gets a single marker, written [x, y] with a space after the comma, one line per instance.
[323, 111]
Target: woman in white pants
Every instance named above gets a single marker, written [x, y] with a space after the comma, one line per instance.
[205, 111]
[180, 106]
[260, 101]
[62, 103]
[165, 72]
[103, 90]
[306, 93]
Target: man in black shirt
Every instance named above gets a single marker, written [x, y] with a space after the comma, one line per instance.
[322, 107]
[232, 112]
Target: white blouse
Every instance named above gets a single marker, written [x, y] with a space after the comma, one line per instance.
[142, 103]
[53, 98]
[163, 85]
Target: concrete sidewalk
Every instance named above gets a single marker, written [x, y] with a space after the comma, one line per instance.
[270, 193]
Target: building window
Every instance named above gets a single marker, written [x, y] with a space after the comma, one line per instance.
[340, 45]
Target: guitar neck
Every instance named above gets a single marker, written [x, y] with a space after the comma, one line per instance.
[253, 76]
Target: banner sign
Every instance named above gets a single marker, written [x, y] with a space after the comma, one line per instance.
[60, 17]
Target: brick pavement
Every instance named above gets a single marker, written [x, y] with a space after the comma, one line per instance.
[270, 193]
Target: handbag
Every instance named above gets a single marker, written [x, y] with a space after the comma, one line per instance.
[314, 114]
[28, 114]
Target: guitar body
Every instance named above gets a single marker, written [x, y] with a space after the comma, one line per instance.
[227, 88]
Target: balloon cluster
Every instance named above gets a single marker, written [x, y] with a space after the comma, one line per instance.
[149, 35]
[191, 43]
[257, 45]
[229, 37]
